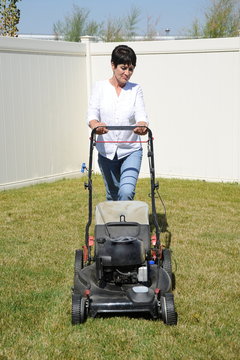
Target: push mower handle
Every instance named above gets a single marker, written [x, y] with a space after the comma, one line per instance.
[151, 169]
[127, 127]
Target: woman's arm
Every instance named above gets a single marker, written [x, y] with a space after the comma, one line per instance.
[93, 116]
[140, 114]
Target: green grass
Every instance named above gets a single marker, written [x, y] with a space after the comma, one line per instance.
[41, 226]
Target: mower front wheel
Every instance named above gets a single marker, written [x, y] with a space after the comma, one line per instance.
[168, 313]
[79, 309]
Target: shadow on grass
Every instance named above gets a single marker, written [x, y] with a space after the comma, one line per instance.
[162, 222]
[130, 315]
[165, 236]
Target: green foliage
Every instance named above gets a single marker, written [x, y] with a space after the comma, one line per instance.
[93, 28]
[9, 17]
[113, 30]
[196, 30]
[42, 225]
[130, 23]
[222, 19]
[121, 29]
[152, 25]
[76, 25]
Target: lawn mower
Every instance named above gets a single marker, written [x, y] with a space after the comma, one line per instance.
[122, 269]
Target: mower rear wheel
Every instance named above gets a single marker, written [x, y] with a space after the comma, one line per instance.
[167, 262]
[78, 261]
[79, 309]
[168, 313]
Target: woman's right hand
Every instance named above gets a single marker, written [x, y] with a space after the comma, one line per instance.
[101, 130]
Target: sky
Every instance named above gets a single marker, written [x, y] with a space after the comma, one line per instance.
[38, 16]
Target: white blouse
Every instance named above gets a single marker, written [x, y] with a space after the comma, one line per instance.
[125, 109]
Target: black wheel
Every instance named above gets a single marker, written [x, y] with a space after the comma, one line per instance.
[78, 261]
[167, 262]
[168, 312]
[79, 309]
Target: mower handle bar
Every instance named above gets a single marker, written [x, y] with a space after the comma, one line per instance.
[152, 174]
[118, 127]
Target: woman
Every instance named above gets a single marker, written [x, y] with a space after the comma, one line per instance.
[118, 102]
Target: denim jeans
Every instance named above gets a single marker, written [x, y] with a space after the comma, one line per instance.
[120, 175]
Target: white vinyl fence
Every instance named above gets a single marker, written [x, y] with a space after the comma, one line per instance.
[191, 90]
[42, 106]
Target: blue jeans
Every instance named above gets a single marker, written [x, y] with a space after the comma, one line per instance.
[120, 175]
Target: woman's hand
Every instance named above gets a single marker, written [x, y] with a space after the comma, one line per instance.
[101, 130]
[141, 130]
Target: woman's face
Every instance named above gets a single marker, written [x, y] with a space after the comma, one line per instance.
[122, 73]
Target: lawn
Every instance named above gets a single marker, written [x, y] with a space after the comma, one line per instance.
[41, 226]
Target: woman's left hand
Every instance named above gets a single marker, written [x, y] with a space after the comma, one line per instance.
[141, 130]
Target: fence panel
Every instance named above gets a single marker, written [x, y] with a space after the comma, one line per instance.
[43, 100]
[191, 90]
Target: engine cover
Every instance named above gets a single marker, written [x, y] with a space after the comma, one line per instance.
[120, 251]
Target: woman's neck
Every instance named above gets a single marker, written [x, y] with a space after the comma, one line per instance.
[118, 87]
[115, 83]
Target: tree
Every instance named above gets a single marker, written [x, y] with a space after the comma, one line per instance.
[76, 25]
[113, 30]
[130, 23]
[222, 19]
[121, 29]
[152, 31]
[9, 17]
[196, 30]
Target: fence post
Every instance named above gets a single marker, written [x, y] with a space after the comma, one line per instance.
[87, 40]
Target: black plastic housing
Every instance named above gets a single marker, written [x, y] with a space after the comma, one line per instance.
[117, 229]
[120, 251]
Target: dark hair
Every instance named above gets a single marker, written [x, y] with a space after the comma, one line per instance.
[123, 54]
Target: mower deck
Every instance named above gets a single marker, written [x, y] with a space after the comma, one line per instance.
[105, 297]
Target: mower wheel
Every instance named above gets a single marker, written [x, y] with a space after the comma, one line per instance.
[168, 314]
[79, 309]
[78, 261]
[167, 262]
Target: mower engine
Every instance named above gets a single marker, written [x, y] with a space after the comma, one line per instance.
[121, 260]
[122, 244]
